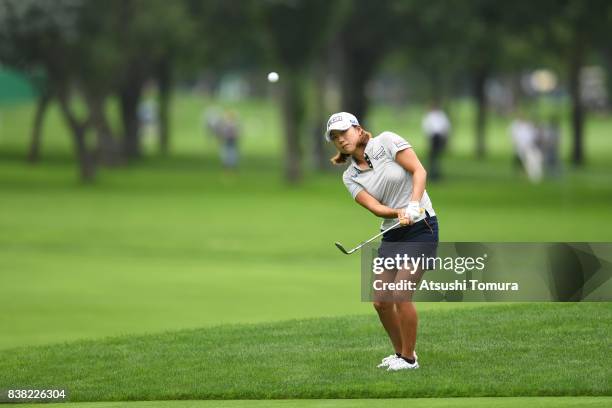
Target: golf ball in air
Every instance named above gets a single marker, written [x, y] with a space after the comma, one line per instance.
[273, 77]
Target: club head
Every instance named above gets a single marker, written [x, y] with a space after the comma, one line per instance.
[341, 248]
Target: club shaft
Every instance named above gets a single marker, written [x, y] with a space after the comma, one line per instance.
[375, 236]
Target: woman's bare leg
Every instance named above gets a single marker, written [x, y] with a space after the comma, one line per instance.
[389, 319]
[385, 307]
[407, 314]
[408, 323]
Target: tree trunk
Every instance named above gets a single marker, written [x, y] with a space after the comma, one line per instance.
[320, 115]
[293, 107]
[129, 96]
[107, 149]
[479, 82]
[41, 108]
[435, 82]
[165, 84]
[578, 113]
[87, 160]
[608, 59]
[517, 93]
[355, 74]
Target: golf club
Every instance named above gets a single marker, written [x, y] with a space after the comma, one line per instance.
[344, 251]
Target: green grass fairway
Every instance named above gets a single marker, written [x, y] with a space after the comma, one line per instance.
[177, 243]
[172, 279]
[504, 350]
[510, 402]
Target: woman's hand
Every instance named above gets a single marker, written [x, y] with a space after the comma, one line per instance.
[402, 217]
[414, 211]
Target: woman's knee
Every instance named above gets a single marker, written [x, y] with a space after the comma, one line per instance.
[383, 306]
[405, 308]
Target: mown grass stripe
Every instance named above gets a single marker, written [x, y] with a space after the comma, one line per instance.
[505, 350]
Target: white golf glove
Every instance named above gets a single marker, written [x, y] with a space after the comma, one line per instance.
[414, 211]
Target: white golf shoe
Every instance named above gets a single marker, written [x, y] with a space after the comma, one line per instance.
[401, 364]
[386, 362]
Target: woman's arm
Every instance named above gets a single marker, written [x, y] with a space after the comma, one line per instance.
[411, 163]
[368, 201]
[408, 159]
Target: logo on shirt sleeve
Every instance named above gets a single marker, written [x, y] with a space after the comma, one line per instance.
[379, 153]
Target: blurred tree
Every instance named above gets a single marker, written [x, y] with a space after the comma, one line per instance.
[96, 60]
[481, 48]
[571, 30]
[430, 36]
[453, 39]
[94, 52]
[41, 36]
[226, 41]
[44, 99]
[294, 30]
[327, 65]
[585, 25]
[225, 36]
[19, 48]
[605, 48]
[320, 110]
[368, 30]
[151, 36]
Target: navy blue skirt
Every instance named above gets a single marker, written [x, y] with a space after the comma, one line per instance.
[416, 240]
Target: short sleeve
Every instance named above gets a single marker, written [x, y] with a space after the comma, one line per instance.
[393, 143]
[352, 186]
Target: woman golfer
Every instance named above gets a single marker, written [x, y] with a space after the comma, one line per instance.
[385, 176]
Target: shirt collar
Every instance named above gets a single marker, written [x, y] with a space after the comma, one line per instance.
[354, 163]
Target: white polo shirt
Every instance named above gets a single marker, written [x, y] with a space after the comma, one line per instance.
[386, 181]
